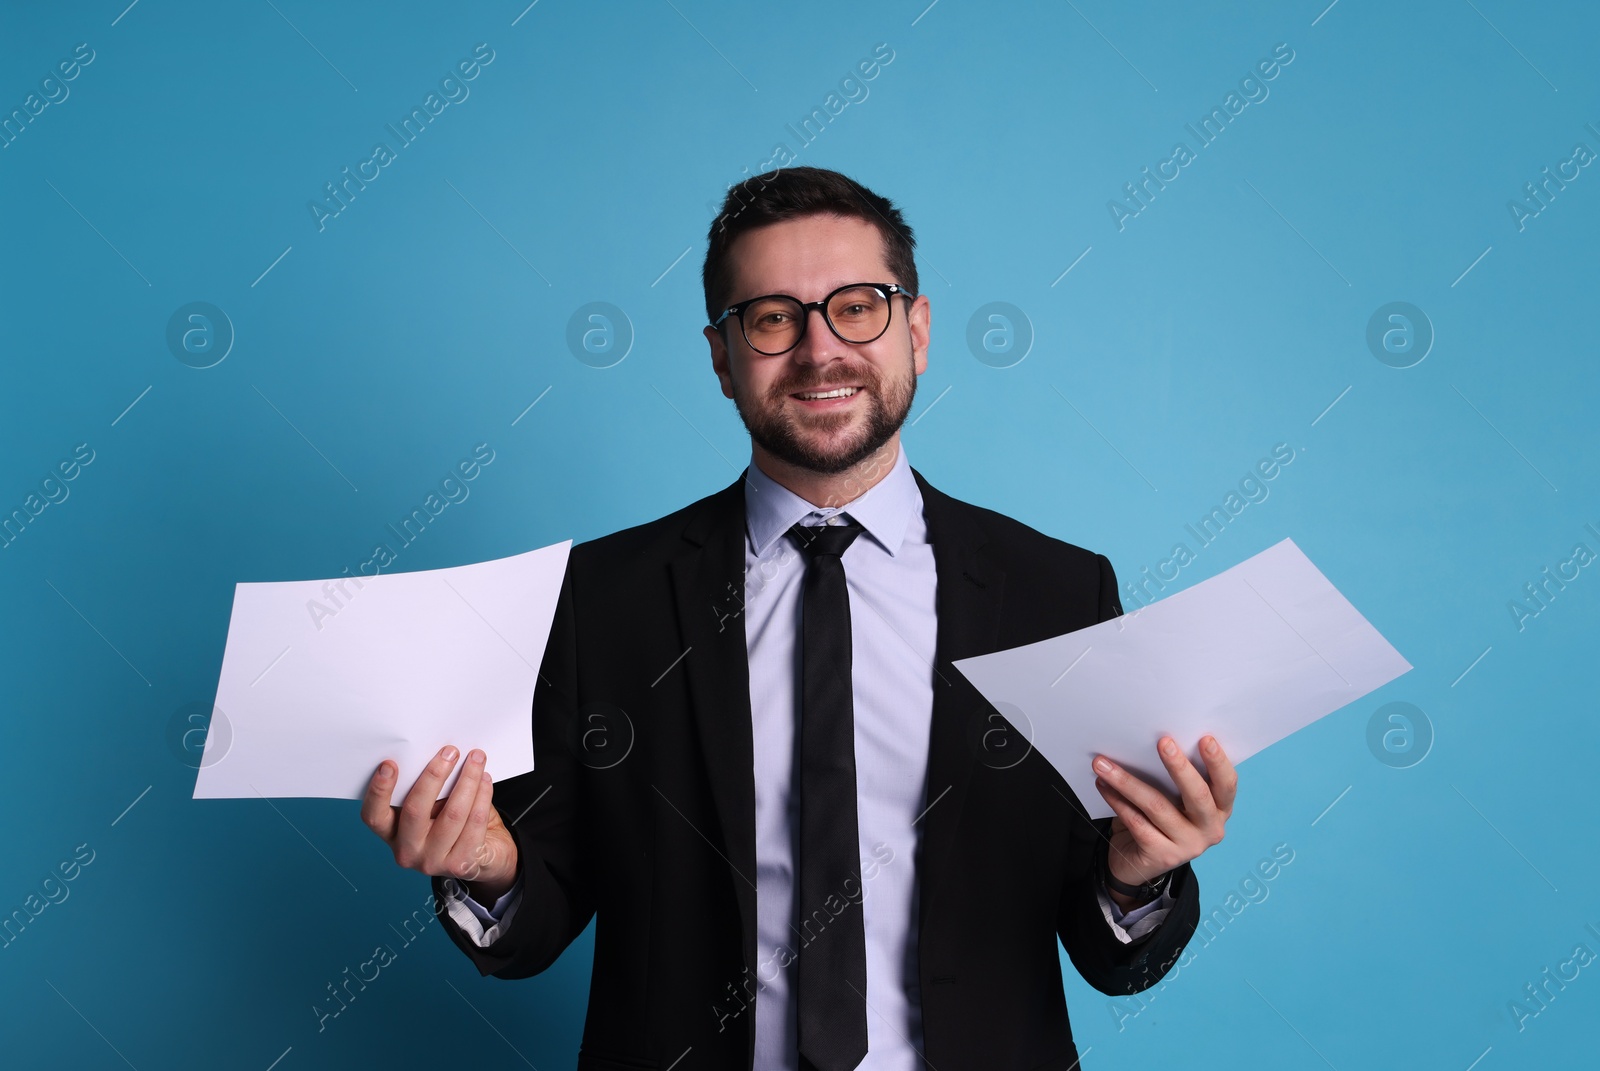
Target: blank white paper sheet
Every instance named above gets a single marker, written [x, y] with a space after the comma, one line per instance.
[1250, 655]
[323, 679]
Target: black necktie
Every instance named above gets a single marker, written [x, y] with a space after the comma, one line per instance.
[833, 948]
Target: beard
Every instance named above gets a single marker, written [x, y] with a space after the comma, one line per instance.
[811, 442]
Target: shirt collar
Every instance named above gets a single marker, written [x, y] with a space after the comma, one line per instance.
[884, 511]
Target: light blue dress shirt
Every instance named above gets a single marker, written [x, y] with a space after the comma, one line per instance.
[890, 576]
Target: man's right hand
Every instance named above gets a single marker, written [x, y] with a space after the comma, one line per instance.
[460, 836]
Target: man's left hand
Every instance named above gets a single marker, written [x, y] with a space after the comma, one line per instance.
[1151, 835]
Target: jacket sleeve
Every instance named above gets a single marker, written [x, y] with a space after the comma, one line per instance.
[1105, 962]
[542, 811]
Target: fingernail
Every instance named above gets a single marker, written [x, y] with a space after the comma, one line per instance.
[449, 753]
[1211, 745]
[1169, 749]
[1102, 765]
[384, 769]
[475, 755]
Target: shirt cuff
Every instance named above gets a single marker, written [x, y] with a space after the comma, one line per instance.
[1141, 920]
[482, 925]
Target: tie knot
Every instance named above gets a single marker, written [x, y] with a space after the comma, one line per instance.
[830, 539]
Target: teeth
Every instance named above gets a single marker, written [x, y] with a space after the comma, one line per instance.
[838, 392]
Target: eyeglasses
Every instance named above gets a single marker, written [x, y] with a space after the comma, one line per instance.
[856, 313]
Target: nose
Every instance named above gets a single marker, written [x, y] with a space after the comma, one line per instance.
[818, 344]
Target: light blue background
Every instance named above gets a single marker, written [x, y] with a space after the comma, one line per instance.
[1228, 316]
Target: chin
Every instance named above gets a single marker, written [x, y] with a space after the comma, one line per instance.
[824, 443]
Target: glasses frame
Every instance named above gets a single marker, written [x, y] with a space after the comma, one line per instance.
[889, 290]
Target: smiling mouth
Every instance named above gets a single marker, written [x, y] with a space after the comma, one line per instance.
[822, 395]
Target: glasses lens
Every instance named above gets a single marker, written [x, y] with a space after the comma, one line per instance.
[773, 324]
[859, 314]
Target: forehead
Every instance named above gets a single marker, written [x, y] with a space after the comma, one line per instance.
[807, 257]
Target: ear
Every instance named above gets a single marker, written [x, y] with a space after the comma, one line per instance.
[719, 360]
[920, 320]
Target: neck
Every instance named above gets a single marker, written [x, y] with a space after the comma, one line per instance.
[830, 489]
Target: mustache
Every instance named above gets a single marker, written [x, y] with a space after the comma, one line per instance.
[866, 377]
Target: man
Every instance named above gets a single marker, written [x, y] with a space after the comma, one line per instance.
[806, 840]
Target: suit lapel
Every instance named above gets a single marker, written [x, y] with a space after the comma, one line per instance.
[708, 586]
[971, 589]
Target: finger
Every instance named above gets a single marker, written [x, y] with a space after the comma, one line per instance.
[457, 808]
[1224, 779]
[1153, 845]
[1153, 803]
[375, 809]
[1199, 803]
[472, 855]
[1133, 819]
[416, 810]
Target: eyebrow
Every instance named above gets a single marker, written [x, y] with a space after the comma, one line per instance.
[831, 288]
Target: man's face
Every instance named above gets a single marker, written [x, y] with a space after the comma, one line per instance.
[808, 258]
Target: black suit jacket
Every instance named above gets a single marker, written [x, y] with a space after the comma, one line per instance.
[641, 811]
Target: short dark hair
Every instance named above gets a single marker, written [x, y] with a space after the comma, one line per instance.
[790, 193]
